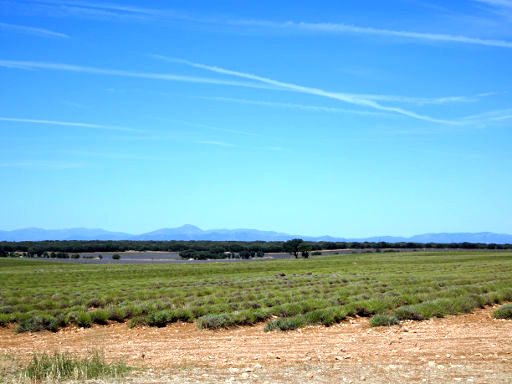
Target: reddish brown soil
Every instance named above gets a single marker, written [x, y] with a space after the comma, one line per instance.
[472, 348]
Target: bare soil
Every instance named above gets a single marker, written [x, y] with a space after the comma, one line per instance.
[472, 348]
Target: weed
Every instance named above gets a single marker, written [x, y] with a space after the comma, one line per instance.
[62, 366]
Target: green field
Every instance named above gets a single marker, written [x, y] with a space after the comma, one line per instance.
[286, 294]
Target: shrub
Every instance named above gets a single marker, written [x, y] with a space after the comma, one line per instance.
[260, 315]
[290, 309]
[492, 298]
[83, 320]
[57, 367]
[375, 306]
[116, 256]
[320, 316]
[46, 304]
[360, 308]
[71, 317]
[339, 314]
[246, 317]
[131, 310]
[7, 309]
[5, 319]
[407, 313]
[506, 294]
[61, 320]
[116, 314]
[286, 324]
[222, 320]
[158, 319]
[430, 309]
[464, 304]
[181, 314]
[503, 312]
[383, 320]
[99, 317]
[96, 303]
[38, 323]
[198, 311]
[51, 324]
[311, 305]
[139, 320]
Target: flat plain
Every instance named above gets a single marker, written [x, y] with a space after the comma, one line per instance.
[160, 317]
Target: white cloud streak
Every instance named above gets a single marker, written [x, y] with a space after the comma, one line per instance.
[424, 100]
[267, 83]
[391, 98]
[32, 31]
[334, 28]
[347, 98]
[314, 108]
[67, 124]
[99, 10]
[497, 3]
[113, 72]
[104, 6]
[88, 8]
[502, 8]
[485, 118]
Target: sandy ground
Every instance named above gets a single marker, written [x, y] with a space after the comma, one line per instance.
[472, 348]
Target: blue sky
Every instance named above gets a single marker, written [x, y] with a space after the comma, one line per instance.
[353, 118]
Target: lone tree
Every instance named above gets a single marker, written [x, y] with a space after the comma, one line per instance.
[292, 247]
[304, 249]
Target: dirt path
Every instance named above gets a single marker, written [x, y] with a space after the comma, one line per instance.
[473, 348]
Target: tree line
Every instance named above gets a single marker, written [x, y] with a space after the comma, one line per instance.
[216, 249]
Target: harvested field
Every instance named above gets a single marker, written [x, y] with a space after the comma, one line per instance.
[470, 348]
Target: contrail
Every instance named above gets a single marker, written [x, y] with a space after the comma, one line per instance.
[67, 124]
[114, 72]
[333, 28]
[348, 98]
[33, 31]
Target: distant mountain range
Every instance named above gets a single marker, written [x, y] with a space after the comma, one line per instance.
[191, 232]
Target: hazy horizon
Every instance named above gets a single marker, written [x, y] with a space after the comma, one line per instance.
[325, 118]
[192, 232]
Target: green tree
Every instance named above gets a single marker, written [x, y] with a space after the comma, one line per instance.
[292, 247]
[305, 249]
